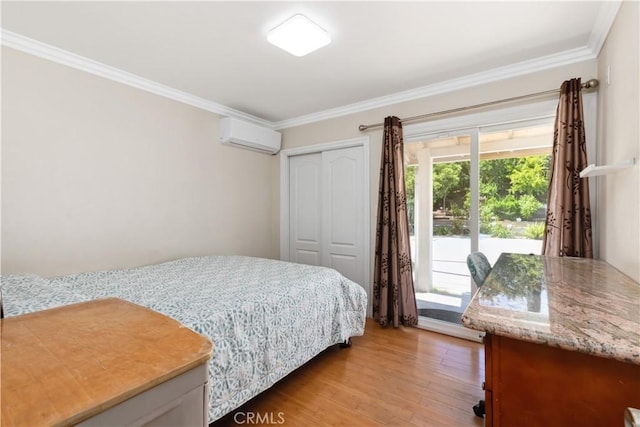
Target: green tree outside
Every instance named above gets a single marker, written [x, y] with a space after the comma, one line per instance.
[510, 188]
[446, 178]
[530, 176]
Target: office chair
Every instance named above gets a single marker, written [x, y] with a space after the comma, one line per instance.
[479, 267]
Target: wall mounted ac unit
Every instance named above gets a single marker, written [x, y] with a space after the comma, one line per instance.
[247, 135]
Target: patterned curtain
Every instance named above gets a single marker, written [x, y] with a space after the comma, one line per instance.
[394, 300]
[568, 222]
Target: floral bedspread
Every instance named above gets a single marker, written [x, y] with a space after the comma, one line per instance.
[265, 317]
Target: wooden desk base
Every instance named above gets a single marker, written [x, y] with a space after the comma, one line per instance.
[536, 385]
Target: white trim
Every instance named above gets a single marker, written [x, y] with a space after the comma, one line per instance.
[334, 145]
[284, 205]
[60, 56]
[474, 188]
[604, 22]
[590, 111]
[497, 74]
[284, 199]
[535, 111]
[448, 328]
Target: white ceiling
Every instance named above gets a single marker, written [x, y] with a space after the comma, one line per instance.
[215, 54]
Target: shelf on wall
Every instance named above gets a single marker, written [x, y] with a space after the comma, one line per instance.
[593, 170]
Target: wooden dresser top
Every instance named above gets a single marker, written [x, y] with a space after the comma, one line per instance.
[67, 364]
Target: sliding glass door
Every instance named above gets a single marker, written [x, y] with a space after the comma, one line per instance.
[514, 177]
[474, 189]
[442, 218]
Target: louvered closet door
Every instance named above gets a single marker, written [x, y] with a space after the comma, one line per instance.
[326, 210]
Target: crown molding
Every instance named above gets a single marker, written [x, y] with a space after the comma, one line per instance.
[606, 17]
[604, 21]
[608, 12]
[52, 53]
[501, 73]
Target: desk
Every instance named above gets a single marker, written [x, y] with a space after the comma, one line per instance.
[562, 344]
[103, 362]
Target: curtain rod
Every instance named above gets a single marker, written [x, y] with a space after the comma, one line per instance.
[588, 85]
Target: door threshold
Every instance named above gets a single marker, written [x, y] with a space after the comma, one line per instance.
[448, 328]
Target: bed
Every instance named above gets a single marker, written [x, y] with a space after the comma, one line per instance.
[265, 317]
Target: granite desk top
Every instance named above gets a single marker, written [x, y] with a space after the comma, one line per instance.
[576, 304]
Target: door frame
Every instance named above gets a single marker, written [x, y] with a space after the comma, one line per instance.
[284, 198]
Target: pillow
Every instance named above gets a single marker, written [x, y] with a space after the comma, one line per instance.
[26, 293]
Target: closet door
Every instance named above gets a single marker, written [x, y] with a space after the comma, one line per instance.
[343, 211]
[326, 210]
[305, 209]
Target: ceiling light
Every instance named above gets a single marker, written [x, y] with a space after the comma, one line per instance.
[298, 36]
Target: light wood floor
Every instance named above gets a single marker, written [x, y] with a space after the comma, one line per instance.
[389, 377]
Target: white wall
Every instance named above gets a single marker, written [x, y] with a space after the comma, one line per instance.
[619, 139]
[99, 175]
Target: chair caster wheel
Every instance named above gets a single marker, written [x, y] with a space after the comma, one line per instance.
[479, 409]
